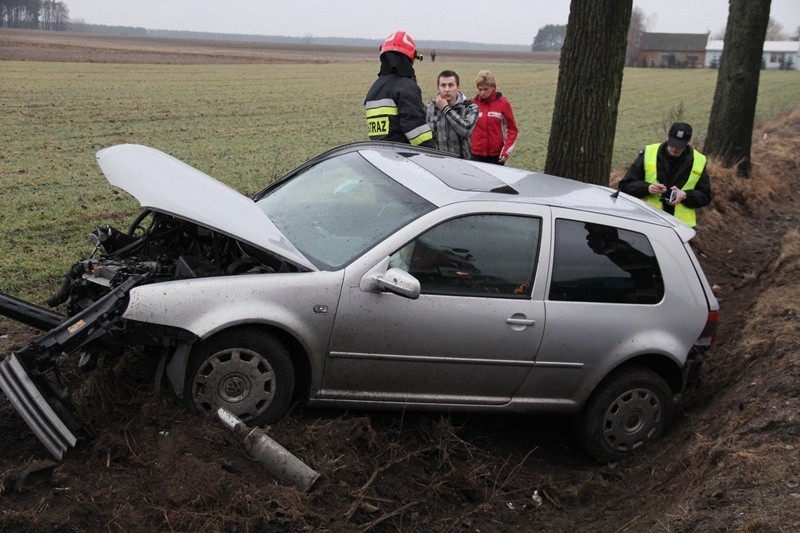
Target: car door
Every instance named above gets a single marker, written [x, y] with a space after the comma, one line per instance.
[472, 335]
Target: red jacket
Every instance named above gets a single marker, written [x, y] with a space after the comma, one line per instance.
[496, 130]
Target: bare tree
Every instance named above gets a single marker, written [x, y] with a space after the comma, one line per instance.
[61, 16]
[730, 128]
[775, 31]
[20, 13]
[48, 18]
[34, 14]
[637, 28]
[589, 85]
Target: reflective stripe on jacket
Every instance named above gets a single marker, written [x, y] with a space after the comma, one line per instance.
[395, 112]
[683, 213]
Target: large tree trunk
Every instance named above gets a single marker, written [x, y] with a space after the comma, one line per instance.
[589, 84]
[730, 129]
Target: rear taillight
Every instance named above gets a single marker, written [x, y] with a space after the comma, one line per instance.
[707, 337]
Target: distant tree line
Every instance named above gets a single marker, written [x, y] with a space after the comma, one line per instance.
[550, 38]
[34, 14]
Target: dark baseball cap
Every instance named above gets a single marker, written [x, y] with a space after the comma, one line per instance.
[680, 134]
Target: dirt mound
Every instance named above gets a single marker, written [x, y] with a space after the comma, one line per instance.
[730, 461]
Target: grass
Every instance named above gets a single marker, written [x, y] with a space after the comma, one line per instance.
[246, 125]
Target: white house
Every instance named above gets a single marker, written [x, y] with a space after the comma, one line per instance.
[776, 53]
[713, 53]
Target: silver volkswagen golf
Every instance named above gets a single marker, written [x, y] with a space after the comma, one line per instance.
[380, 276]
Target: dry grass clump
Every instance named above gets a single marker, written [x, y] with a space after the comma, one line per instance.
[774, 160]
[776, 316]
[775, 145]
[734, 194]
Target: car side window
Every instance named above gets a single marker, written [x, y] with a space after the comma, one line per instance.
[598, 263]
[478, 255]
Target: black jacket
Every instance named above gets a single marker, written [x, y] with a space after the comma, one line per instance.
[671, 171]
[394, 107]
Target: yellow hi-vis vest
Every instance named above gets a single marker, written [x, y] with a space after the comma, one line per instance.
[684, 214]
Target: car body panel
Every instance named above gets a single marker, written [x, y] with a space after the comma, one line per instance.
[303, 304]
[162, 183]
[611, 334]
[437, 348]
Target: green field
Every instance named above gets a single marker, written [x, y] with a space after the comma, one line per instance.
[246, 125]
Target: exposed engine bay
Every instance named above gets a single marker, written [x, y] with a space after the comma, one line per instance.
[162, 248]
[156, 247]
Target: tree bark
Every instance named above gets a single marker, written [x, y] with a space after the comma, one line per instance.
[730, 128]
[589, 85]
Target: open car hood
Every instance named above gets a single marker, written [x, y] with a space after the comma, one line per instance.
[163, 183]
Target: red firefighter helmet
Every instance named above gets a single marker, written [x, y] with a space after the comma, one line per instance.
[402, 42]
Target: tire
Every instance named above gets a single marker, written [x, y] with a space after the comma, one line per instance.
[248, 372]
[629, 409]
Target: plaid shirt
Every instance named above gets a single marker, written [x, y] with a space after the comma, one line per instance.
[452, 126]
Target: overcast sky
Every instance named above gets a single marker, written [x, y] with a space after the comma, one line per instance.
[487, 21]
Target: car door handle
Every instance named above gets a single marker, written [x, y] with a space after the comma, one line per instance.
[513, 321]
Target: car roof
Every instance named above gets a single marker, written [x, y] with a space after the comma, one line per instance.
[444, 179]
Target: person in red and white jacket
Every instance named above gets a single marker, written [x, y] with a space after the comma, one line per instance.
[496, 130]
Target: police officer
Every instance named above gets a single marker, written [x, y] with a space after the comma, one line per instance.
[394, 107]
[671, 176]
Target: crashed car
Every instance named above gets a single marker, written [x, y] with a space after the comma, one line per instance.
[379, 275]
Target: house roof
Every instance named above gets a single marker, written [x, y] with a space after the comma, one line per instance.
[674, 42]
[769, 46]
[781, 46]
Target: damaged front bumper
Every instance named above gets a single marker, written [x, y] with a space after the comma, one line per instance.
[30, 377]
[37, 409]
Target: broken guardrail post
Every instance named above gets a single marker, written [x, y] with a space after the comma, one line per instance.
[279, 462]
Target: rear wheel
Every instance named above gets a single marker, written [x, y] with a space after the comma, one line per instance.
[247, 372]
[626, 412]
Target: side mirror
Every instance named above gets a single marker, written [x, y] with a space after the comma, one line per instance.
[399, 282]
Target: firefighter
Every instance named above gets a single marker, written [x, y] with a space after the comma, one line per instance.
[394, 107]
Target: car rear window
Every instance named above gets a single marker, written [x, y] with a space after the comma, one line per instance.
[599, 263]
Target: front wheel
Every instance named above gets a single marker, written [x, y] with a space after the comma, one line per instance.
[247, 372]
[626, 412]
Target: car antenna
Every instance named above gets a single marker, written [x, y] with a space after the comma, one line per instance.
[615, 194]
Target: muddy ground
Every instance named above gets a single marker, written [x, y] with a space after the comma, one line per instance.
[730, 462]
